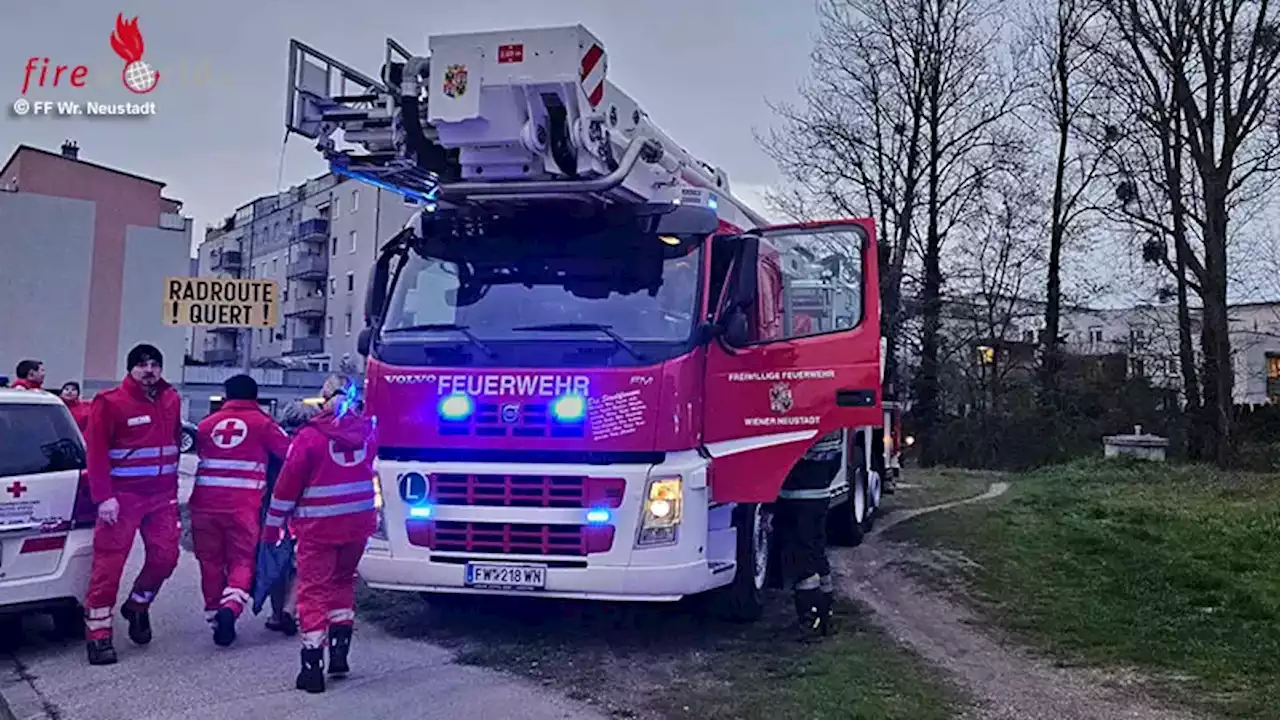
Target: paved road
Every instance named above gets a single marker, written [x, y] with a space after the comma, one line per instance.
[183, 676]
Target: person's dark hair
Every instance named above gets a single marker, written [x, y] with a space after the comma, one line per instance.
[26, 367]
[70, 384]
[241, 387]
[142, 353]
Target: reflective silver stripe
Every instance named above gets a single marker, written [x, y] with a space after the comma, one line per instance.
[822, 494]
[146, 453]
[275, 521]
[227, 482]
[351, 488]
[318, 511]
[170, 450]
[344, 615]
[140, 471]
[143, 597]
[282, 505]
[98, 624]
[246, 465]
[98, 613]
[313, 639]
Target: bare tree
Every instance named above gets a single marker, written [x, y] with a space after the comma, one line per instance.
[1209, 66]
[1063, 54]
[903, 120]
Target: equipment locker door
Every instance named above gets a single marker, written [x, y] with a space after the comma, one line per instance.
[800, 359]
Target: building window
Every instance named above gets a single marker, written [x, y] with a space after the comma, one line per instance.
[351, 282]
[329, 326]
[333, 287]
[353, 241]
[1095, 334]
[355, 200]
[337, 207]
[333, 247]
[275, 265]
[348, 323]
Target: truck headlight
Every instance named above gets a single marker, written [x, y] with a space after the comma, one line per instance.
[662, 511]
[379, 532]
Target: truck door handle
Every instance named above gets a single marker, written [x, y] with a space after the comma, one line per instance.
[855, 398]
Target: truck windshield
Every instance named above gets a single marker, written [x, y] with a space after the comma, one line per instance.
[638, 295]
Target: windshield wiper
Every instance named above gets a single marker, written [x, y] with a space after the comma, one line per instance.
[463, 330]
[586, 327]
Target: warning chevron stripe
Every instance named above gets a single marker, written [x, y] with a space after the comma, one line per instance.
[593, 72]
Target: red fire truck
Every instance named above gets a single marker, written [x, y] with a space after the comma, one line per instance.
[592, 366]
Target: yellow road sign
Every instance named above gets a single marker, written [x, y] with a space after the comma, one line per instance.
[221, 302]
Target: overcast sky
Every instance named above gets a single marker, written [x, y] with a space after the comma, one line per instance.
[702, 69]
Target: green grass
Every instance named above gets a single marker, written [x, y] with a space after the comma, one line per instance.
[934, 486]
[675, 662]
[1171, 569]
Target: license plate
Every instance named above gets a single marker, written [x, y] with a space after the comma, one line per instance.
[506, 576]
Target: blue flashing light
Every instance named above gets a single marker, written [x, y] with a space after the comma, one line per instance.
[421, 512]
[711, 202]
[569, 408]
[456, 407]
[341, 169]
[599, 517]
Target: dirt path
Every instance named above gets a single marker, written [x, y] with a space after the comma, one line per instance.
[1008, 683]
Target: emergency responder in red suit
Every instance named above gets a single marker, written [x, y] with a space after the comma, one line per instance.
[234, 444]
[325, 492]
[30, 374]
[134, 431]
[70, 395]
[801, 519]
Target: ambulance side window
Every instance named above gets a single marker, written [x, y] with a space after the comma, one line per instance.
[809, 284]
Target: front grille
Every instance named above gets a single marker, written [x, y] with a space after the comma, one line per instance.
[502, 421]
[548, 491]
[510, 538]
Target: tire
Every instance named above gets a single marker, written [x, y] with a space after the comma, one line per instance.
[68, 621]
[742, 600]
[845, 524]
[873, 498]
[188, 442]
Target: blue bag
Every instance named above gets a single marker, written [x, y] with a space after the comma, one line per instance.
[274, 564]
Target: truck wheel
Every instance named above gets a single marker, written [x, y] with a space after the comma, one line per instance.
[873, 502]
[742, 600]
[845, 523]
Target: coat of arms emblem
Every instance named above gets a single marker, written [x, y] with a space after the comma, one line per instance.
[455, 81]
[780, 397]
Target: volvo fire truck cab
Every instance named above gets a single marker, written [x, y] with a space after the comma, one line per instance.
[583, 351]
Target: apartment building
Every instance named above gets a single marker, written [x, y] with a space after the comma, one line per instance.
[84, 250]
[318, 240]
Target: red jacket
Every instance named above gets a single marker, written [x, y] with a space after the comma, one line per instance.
[234, 445]
[133, 441]
[326, 484]
[22, 384]
[80, 413]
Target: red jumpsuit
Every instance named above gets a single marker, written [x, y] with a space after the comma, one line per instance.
[80, 413]
[325, 492]
[234, 445]
[133, 457]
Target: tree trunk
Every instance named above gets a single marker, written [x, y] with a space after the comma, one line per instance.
[1215, 336]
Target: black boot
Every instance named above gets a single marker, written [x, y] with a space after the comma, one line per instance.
[339, 645]
[224, 627]
[139, 624]
[285, 623]
[311, 677]
[101, 652]
[828, 612]
[809, 614]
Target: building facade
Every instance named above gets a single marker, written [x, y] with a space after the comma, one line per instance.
[84, 250]
[318, 240]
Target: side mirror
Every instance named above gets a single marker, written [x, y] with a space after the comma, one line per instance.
[736, 331]
[363, 341]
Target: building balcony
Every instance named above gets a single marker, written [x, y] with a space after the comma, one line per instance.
[228, 261]
[225, 330]
[222, 356]
[304, 345]
[312, 266]
[305, 306]
[314, 230]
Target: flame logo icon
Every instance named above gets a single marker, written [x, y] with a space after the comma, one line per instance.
[137, 75]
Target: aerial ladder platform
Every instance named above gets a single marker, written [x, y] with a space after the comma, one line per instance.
[506, 116]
